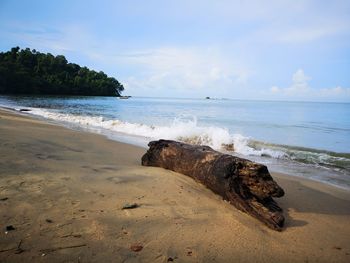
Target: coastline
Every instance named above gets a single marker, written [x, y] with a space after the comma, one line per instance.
[66, 188]
[128, 121]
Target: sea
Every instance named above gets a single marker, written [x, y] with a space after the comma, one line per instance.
[303, 139]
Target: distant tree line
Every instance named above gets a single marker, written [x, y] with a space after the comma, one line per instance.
[31, 72]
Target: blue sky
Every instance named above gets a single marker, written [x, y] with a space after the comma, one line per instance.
[277, 50]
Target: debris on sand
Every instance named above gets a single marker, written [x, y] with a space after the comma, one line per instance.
[130, 206]
[136, 247]
[10, 228]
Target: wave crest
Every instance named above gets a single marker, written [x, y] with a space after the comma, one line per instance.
[183, 128]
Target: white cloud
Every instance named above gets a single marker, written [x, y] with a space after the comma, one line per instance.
[311, 33]
[275, 89]
[336, 91]
[184, 69]
[51, 39]
[299, 85]
[300, 89]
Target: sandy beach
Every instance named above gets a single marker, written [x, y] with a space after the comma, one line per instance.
[62, 193]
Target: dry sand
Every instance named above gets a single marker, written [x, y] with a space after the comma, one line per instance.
[63, 191]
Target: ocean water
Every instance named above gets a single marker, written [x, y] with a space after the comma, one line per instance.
[305, 139]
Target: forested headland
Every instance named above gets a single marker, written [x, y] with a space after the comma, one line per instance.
[25, 71]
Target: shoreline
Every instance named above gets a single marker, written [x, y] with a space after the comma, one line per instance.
[132, 140]
[318, 184]
[62, 188]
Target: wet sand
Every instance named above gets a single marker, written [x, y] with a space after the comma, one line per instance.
[63, 190]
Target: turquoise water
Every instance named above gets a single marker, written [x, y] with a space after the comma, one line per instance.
[299, 138]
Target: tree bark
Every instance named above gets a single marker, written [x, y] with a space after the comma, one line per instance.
[245, 184]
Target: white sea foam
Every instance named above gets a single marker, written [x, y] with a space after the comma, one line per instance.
[241, 145]
[183, 129]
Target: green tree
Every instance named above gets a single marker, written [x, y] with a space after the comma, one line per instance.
[31, 72]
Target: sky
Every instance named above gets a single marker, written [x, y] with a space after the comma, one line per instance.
[267, 50]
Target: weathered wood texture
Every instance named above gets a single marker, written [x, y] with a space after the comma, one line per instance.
[245, 184]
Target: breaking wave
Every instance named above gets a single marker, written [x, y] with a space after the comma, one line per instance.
[184, 128]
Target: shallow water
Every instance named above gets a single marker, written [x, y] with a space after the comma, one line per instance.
[306, 139]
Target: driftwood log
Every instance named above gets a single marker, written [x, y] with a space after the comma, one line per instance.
[245, 184]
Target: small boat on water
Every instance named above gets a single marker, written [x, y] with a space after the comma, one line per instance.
[124, 97]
